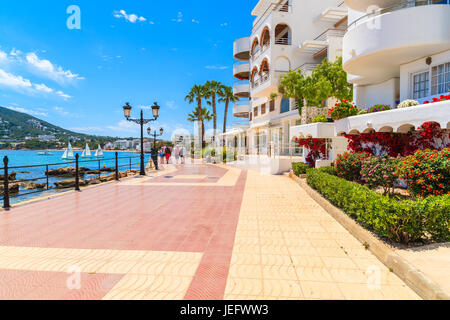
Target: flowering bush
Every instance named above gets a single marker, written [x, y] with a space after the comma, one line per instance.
[380, 172]
[441, 98]
[349, 165]
[426, 172]
[343, 110]
[320, 118]
[379, 108]
[407, 104]
[317, 150]
[428, 136]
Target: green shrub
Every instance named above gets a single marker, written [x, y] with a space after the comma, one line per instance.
[402, 221]
[320, 118]
[330, 170]
[379, 108]
[380, 172]
[426, 172]
[349, 165]
[299, 168]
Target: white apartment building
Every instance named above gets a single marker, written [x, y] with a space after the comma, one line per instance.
[396, 50]
[393, 51]
[286, 35]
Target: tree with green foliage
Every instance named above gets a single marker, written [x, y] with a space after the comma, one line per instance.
[212, 89]
[226, 96]
[328, 80]
[196, 94]
[195, 116]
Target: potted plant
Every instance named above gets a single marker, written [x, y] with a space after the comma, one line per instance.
[343, 110]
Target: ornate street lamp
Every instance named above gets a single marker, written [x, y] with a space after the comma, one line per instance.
[127, 113]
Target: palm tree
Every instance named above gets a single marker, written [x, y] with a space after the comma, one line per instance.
[212, 91]
[226, 96]
[202, 117]
[196, 94]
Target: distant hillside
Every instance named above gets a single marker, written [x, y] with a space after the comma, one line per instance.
[16, 126]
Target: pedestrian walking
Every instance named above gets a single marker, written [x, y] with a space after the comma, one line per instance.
[176, 153]
[168, 154]
[181, 152]
[161, 155]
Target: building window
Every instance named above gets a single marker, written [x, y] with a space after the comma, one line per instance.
[421, 85]
[285, 105]
[251, 117]
[272, 105]
[263, 109]
[255, 111]
[440, 79]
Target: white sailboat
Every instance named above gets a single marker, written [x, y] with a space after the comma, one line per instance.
[99, 152]
[68, 153]
[87, 152]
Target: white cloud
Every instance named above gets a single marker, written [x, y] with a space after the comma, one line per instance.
[225, 24]
[29, 111]
[3, 56]
[64, 113]
[171, 105]
[14, 52]
[49, 70]
[179, 17]
[124, 126]
[216, 67]
[133, 18]
[18, 83]
[195, 21]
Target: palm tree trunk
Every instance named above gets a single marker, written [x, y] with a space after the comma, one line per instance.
[225, 119]
[200, 123]
[214, 112]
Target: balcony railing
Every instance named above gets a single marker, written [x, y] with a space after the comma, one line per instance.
[283, 41]
[396, 7]
[265, 77]
[285, 8]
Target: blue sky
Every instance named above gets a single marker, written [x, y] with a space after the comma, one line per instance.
[136, 51]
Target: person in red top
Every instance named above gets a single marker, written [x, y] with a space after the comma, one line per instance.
[168, 154]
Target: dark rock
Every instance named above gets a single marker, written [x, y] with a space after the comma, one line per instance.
[11, 176]
[67, 172]
[65, 184]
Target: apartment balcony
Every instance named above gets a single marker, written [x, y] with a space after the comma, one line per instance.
[363, 5]
[266, 83]
[241, 70]
[241, 89]
[319, 46]
[378, 43]
[241, 109]
[333, 14]
[241, 49]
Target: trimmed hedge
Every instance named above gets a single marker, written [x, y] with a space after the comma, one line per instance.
[299, 168]
[403, 221]
[329, 170]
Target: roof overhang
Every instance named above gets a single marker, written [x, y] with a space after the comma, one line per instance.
[312, 46]
[333, 14]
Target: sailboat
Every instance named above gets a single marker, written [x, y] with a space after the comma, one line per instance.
[68, 153]
[87, 152]
[99, 152]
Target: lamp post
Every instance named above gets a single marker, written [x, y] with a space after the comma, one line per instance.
[154, 151]
[127, 112]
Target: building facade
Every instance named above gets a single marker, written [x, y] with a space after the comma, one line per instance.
[286, 35]
[397, 50]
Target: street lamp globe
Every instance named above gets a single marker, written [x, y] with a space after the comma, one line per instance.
[127, 110]
[155, 109]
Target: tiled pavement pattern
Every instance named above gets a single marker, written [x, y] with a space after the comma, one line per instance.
[288, 247]
[192, 232]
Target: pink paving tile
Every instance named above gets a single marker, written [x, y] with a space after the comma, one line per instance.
[127, 217]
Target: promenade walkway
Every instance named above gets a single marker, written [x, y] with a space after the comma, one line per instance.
[192, 232]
